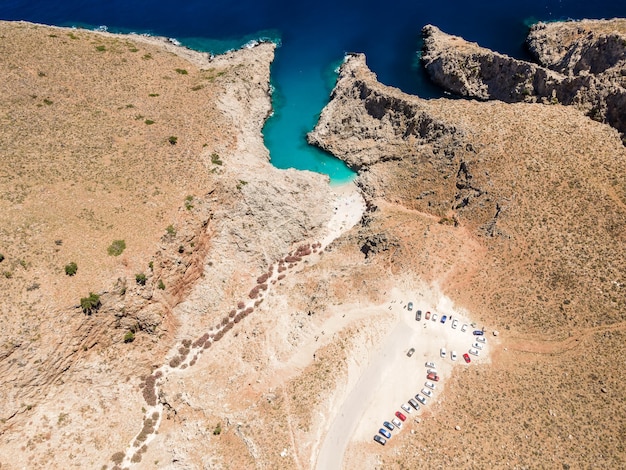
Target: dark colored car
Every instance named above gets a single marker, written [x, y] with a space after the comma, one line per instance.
[443, 319]
[385, 433]
[380, 440]
[388, 425]
[467, 358]
[401, 416]
[414, 404]
[478, 333]
[410, 352]
[432, 376]
[418, 315]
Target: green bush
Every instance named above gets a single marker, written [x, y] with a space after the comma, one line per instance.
[149, 122]
[218, 429]
[90, 304]
[181, 71]
[171, 231]
[101, 48]
[173, 140]
[141, 279]
[1, 257]
[70, 269]
[129, 337]
[161, 285]
[116, 248]
[215, 159]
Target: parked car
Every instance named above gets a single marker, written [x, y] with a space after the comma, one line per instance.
[410, 352]
[406, 407]
[421, 399]
[380, 440]
[464, 327]
[478, 333]
[442, 352]
[481, 339]
[418, 315]
[427, 316]
[477, 345]
[414, 404]
[431, 371]
[385, 433]
[473, 351]
[434, 317]
[427, 392]
[429, 385]
[388, 425]
[444, 318]
[467, 358]
[433, 376]
[431, 365]
[455, 323]
[453, 355]
[410, 306]
[397, 423]
[401, 416]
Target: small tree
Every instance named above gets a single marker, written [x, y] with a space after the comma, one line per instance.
[70, 269]
[90, 304]
[141, 279]
[116, 248]
[129, 337]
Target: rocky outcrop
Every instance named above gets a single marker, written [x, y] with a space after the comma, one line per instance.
[580, 63]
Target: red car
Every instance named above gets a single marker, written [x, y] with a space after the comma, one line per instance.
[427, 315]
[433, 376]
[467, 358]
[401, 416]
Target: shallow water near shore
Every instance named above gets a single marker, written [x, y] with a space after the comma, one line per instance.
[313, 39]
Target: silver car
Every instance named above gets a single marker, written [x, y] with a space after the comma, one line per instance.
[481, 339]
[473, 351]
[477, 345]
[427, 392]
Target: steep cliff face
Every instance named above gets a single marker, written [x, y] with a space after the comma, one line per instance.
[580, 63]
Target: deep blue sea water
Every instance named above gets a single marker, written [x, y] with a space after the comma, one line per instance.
[314, 37]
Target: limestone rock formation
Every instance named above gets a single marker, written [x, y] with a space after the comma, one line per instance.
[581, 63]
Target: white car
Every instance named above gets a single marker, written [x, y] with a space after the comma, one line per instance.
[477, 345]
[481, 339]
[455, 323]
[429, 384]
[431, 365]
[406, 407]
[464, 328]
[442, 352]
[431, 371]
[473, 351]
[397, 423]
[453, 355]
[434, 317]
[427, 392]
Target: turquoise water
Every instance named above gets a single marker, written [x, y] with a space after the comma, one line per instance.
[314, 38]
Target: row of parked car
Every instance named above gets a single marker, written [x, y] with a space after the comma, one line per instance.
[384, 433]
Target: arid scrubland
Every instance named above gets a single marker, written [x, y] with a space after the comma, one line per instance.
[224, 334]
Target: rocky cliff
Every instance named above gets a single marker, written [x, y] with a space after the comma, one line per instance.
[581, 63]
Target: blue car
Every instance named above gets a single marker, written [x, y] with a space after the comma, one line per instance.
[385, 433]
[388, 425]
[478, 333]
[443, 319]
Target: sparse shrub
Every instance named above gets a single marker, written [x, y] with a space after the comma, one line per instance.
[181, 249]
[116, 248]
[173, 139]
[141, 279]
[33, 286]
[181, 71]
[1, 257]
[147, 56]
[129, 337]
[215, 159]
[71, 268]
[186, 343]
[151, 265]
[149, 122]
[153, 95]
[218, 429]
[47, 102]
[241, 184]
[175, 362]
[90, 304]
[161, 285]
[171, 231]
[101, 48]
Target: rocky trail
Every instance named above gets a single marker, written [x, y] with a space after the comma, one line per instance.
[349, 208]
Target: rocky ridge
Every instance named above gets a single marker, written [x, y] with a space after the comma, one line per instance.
[580, 63]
